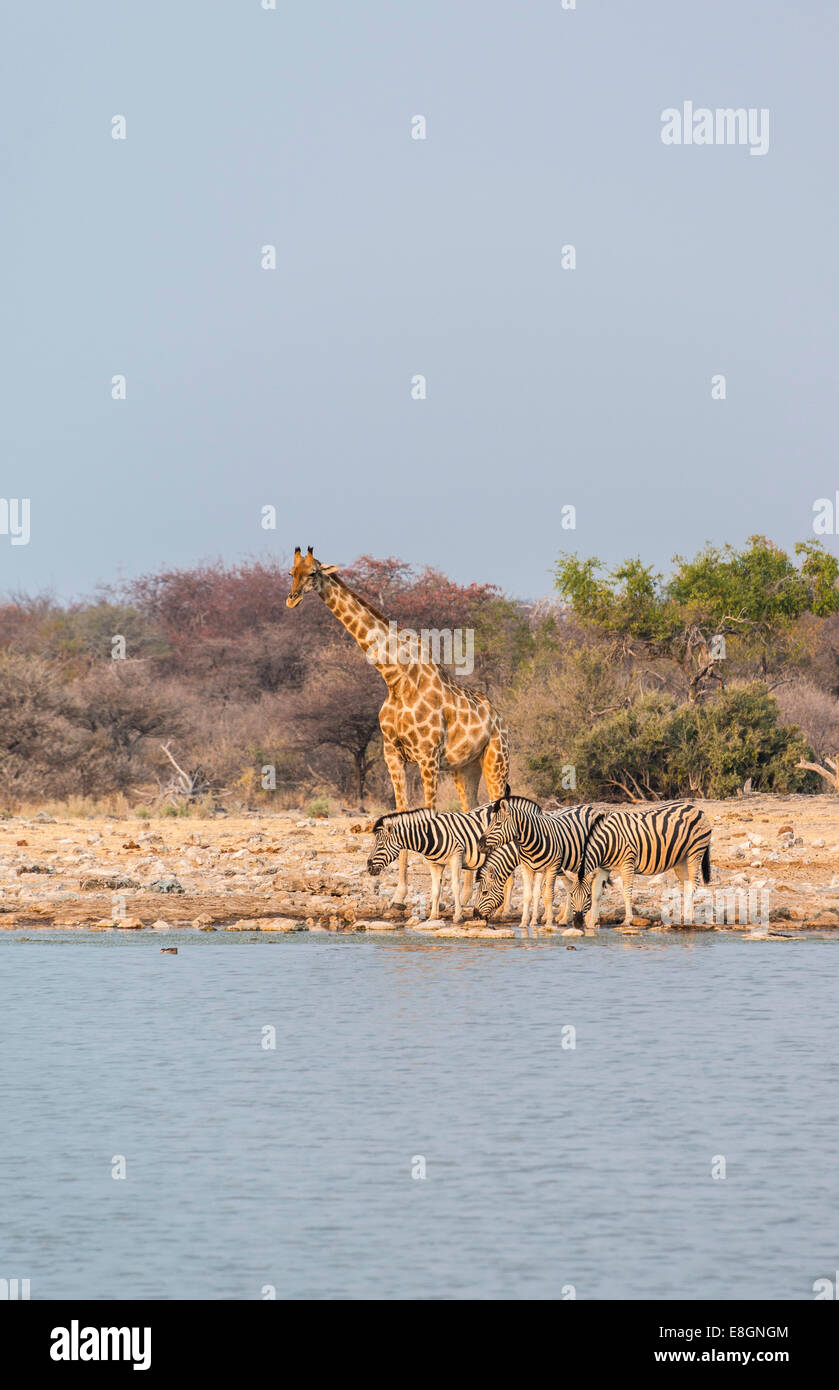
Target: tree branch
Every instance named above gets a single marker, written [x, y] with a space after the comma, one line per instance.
[831, 777]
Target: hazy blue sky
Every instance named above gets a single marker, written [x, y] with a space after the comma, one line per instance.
[396, 256]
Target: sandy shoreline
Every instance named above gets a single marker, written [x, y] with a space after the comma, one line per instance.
[285, 872]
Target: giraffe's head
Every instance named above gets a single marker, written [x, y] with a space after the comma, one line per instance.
[305, 572]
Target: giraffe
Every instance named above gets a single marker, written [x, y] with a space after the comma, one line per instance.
[428, 718]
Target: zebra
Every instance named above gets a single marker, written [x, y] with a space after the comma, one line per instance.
[441, 837]
[495, 881]
[549, 843]
[675, 835]
[494, 875]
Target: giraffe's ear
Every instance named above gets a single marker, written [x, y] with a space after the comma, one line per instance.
[328, 569]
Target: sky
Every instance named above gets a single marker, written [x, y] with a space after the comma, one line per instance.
[546, 387]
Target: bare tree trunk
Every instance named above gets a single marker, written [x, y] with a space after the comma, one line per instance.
[360, 775]
[830, 772]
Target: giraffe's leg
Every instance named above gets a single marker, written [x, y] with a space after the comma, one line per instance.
[429, 770]
[396, 767]
[467, 780]
[495, 764]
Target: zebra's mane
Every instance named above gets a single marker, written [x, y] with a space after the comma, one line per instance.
[517, 800]
[596, 821]
[424, 812]
[499, 854]
[397, 817]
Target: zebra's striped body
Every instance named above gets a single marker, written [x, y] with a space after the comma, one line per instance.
[441, 837]
[676, 835]
[550, 843]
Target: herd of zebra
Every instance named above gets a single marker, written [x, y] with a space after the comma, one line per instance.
[580, 845]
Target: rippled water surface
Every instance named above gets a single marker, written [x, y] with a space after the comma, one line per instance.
[547, 1166]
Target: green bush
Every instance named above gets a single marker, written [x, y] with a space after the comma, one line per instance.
[658, 748]
[559, 695]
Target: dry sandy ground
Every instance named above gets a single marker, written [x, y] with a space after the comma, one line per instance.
[284, 872]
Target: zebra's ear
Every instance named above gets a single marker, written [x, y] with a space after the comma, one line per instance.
[507, 791]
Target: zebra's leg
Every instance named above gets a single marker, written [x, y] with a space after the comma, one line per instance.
[436, 883]
[566, 911]
[396, 767]
[526, 891]
[548, 897]
[455, 864]
[597, 887]
[681, 872]
[508, 893]
[538, 880]
[627, 878]
[468, 885]
[691, 870]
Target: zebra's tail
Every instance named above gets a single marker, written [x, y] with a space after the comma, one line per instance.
[706, 865]
[593, 824]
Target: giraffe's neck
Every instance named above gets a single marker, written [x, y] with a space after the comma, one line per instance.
[371, 630]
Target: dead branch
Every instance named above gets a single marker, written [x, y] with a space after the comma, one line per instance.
[829, 773]
[615, 782]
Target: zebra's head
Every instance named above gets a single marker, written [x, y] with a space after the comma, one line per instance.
[491, 881]
[386, 846]
[305, 571]
[502, 826]
[580, 896]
